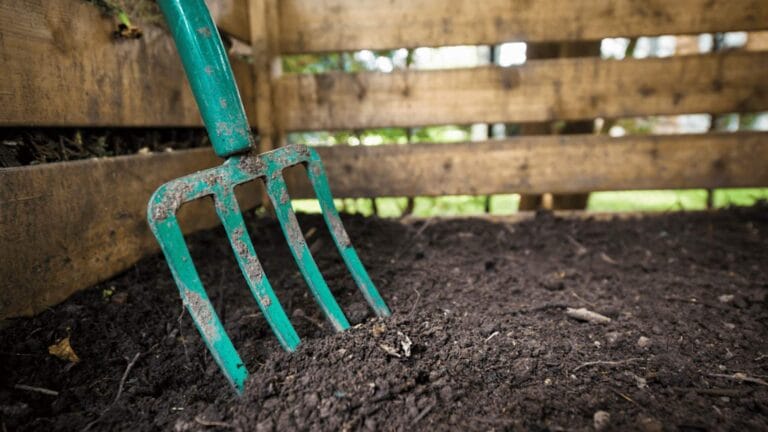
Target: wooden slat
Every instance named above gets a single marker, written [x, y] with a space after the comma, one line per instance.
[266, 67]
[66, 226]
[231, 17]
[541, 90]
[559, 164]
[62, 67]
[343, 25]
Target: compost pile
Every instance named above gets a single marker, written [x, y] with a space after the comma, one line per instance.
[481, 337]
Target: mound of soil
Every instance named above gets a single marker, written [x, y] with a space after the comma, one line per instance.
[480, 339]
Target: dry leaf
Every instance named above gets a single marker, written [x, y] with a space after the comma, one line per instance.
[378, 329]
[63, 350]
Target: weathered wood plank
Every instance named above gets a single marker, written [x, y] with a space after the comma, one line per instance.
[345, 25]
[558, 164]
[540, 90]
[266, 68]
[62, 67]
[66, 226]
[231, 17]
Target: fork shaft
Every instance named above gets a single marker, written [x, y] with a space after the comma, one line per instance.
[209, 74]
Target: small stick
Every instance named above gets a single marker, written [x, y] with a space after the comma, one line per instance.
[42, 390]
[212, 423]
[629, 399]
[580, 249]
[729, 392]
[300, 313]
[423, 413]
[119, 392]
[415, 303]
[583, 314]
[738, 376]
[607, 363]
[125, 376]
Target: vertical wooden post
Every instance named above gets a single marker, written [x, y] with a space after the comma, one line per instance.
[267, 67]
[554, 50]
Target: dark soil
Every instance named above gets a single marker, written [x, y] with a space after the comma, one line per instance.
[483, 304]
[24, 146]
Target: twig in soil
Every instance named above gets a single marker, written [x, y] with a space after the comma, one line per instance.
[415, 303]
[627, 398]
[580, 249]
[119, 392]
[583, 314]
[540, 308]
[41, 390]
[604, 256]
[410, 243]
[125, 376]
[607, 363]
[423, 413]
[693, 300]
[300, 313]
[212, 423]
[181, 335]
[728, 392]
[738, 376]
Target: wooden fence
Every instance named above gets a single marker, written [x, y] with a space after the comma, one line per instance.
[62, 68]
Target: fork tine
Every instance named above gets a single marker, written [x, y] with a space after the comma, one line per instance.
[278, 194]
[232, 219]
[319, 180]
[196, 300]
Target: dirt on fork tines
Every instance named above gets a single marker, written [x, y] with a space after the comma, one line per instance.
[484, 335]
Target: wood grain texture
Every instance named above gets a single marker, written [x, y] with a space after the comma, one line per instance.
[62, 67]
[66, 226]
[266, 69]
[559, 164]
[541, 90]
[345, 25]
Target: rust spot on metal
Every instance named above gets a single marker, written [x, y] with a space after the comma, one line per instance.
[237, 239]
[316, 171]
[265, 301]
[172, 200]
[212, 179]
[251, 164]
[204, 31]
[295, 237]
[221, 207]
[224, 129]
[303, 151]
[202, 310]
[337, 228]
[254, 270]
[284, 196]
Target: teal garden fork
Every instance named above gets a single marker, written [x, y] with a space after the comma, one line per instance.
[210, 76]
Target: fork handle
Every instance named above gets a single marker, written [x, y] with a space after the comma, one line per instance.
[210, 75]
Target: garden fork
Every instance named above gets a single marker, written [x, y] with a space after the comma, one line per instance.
[210, 76]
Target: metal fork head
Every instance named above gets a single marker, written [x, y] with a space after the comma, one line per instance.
[220, 182]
